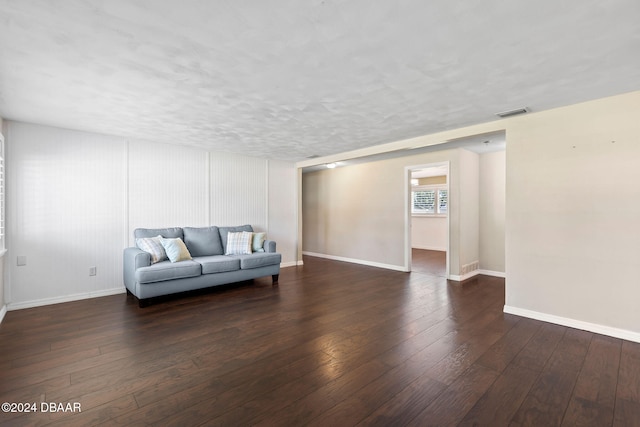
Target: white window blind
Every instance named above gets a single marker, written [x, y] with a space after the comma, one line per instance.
[429, 200]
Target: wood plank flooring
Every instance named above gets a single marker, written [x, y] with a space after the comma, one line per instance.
[334, 344]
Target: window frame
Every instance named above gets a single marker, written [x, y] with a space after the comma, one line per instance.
[430, 187]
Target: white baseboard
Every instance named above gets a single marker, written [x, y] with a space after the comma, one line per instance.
[576, 324]
[469, 275]
[67, 298]
[429, 248]
[460, 278]
[493, 273]
[3, 311]
[290, 264]
[357, 261]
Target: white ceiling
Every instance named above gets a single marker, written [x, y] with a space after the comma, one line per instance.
[287, 79]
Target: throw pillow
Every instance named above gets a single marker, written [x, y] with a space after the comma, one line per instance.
[153, 246]
[176, 249]
[239, 243]
[257, 241]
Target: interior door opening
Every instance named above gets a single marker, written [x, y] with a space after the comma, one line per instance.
[428, 219]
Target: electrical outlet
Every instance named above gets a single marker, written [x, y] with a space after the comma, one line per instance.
[92, 271]
[22, 260]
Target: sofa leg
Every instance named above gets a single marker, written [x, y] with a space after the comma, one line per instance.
[142, 303]
[275, 279]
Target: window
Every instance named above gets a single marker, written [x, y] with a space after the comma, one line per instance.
[429, 200]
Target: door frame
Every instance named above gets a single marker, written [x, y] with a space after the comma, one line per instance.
[407, 211]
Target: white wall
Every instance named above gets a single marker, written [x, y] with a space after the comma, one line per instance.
[74, 199]
[429, 233]
[492, 211]
[2, 257]
[283, 209]
[66, 202]
[167, 186]
[239, 191]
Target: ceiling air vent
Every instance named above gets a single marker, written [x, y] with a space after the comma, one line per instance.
[515, 112]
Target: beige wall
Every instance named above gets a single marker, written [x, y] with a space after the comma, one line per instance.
[337, 207]
[572, 209]
[492, 211]
[340, 219]
[432, 180]
[573, 213]
[469, 197]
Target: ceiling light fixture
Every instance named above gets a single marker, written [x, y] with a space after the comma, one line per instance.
[331, 165]
[515, 112]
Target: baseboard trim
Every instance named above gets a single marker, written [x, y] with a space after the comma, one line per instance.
[3, 311]
[493, 273]
[469, 275]
[356, 261]
[67, 298]
[573, 323]
[429, 248]
[288, 264]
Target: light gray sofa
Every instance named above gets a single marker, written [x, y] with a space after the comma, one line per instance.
[208, 266]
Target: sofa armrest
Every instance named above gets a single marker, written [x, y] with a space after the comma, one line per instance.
[133, 258]
[269, 246]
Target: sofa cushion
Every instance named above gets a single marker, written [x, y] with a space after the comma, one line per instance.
[176, 249]
[239, 243]
[218, 264]
[172, 232]
[166, 270]
[152, 246]
[203, 241]
[226, 230]
[258, 259]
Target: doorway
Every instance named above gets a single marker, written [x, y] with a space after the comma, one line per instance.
[427, 224]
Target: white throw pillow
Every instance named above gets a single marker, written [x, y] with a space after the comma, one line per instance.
[257, 241]
[176, 249]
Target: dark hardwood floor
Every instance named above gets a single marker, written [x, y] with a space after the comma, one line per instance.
[429, 262]
[335, 344]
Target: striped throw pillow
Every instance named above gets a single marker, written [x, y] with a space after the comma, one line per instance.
[153, 246]
[239, 243]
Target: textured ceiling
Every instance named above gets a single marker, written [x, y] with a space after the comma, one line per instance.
[287, 79]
